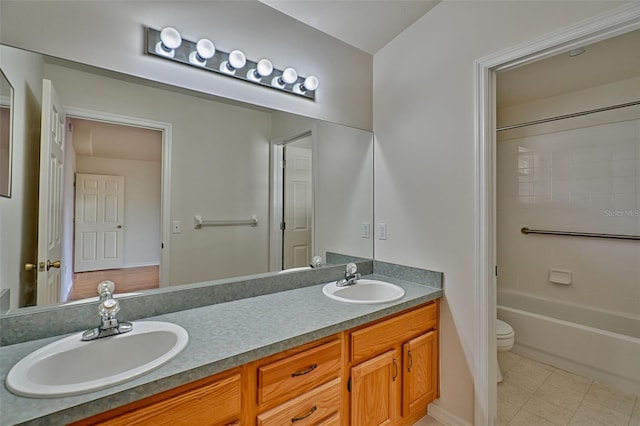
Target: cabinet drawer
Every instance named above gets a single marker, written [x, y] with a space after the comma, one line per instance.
[379, 337]
[318, 406]
[298, 373]
[215, 404]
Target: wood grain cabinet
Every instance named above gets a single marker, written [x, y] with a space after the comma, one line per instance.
[302, 386]
[214, 401]
[394, 368]
[383, 373]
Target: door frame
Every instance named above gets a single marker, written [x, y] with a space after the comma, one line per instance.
[276, 180]
[615, 22]
[165, 195]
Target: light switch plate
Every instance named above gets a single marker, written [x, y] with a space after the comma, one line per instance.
[382, 231]
[366, 230]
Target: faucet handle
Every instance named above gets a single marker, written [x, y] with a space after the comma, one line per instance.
[351, 268]
[316, 261]
[109, 308]
[105, 287]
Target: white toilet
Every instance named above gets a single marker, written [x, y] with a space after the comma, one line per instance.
[504, 341]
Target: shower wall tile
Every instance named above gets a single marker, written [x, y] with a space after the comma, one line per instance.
[584, 179]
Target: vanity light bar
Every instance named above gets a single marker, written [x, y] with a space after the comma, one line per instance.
[168, 44]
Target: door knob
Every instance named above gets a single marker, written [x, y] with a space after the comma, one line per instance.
[119, 226]
[29, 267]
[54, 264]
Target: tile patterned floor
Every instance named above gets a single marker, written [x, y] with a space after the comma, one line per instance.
[537, 394]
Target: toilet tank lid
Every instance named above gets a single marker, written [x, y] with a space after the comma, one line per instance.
[502, 328]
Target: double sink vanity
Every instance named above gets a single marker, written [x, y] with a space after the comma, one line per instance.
[286, 355]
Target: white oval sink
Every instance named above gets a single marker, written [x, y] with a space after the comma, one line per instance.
[364, 291]
[71, 366]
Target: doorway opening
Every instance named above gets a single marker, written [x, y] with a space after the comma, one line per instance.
[616, 22]
[115, 206]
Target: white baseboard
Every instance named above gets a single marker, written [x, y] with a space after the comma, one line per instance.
[141, 264]
[445, 417]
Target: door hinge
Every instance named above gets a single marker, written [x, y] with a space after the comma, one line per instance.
[283, 164]
[349, 384]
[283, 226]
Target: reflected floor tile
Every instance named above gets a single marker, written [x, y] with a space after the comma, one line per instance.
[569, 381]
[527, 383]
[589, 414]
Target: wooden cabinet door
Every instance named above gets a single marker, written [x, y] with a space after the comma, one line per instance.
[374, 389]
[419, 372]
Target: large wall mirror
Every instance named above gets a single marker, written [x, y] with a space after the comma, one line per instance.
[6, 105]
[181, 187]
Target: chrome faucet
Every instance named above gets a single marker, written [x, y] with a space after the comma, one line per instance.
[350, 276]
[108, 309]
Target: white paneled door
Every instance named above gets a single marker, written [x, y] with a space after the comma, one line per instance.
[50, 197]
[99, 222]
[298, 207]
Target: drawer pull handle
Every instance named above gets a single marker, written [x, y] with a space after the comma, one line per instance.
[395, 369]
[410, 362]
[304, 416]
[303, 372]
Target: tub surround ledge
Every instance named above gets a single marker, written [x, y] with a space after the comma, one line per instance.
[221, 336]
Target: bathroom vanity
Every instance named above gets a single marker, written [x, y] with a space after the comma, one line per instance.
[242, 354]
[384, 372]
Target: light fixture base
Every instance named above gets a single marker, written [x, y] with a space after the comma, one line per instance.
[183, 55]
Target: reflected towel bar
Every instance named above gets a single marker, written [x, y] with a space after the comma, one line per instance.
[527, 231]
[198, 222]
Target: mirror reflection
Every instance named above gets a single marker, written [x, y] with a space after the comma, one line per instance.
[141, 163]
[6, 103]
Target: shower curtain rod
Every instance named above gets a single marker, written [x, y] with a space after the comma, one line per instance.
[562, 117]
[528, 231]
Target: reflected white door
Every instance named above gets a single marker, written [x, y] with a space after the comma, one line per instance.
[99, 222]
[298, 207]
[50, 197]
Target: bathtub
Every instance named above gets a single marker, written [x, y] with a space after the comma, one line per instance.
[602, 345]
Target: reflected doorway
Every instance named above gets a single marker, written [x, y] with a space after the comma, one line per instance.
[293, 205]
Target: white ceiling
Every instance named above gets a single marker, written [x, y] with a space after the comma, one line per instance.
[611, 60]
[106, 140]
[366, 24]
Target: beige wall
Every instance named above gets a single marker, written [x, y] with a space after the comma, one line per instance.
[141, 204]
[18, 214]
[111, 35]
[220, 169]
[579, 174]
[424, 159]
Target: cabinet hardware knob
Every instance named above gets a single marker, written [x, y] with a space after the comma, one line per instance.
[303, 372]
[304, 416]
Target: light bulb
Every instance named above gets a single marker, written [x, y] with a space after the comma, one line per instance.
[263, 68]
[235, 61]
[310, 83]
[289, 76]
[170, 40]
[205, 49]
